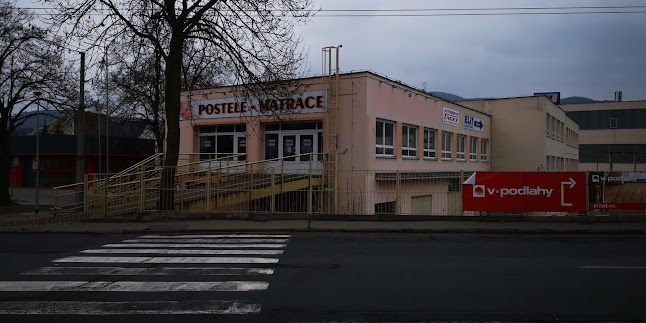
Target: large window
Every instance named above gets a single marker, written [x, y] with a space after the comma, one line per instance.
[294, 141]
[429, 143]
[409, 141]
[447, 145]
[473, 149]
[484, 150]
[385, 131]
[222, 141]
[462, 147]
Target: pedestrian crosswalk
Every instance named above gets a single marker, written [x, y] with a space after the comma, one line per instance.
[208, 274]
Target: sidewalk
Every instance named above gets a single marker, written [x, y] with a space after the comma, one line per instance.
[58, 225]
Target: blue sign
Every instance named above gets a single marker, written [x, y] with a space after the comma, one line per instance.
[473, 123]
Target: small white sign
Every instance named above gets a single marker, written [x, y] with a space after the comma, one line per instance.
[473, 123]
[450, 117]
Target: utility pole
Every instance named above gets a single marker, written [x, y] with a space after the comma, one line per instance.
[107, 117]
[37, 171]
[79, 131]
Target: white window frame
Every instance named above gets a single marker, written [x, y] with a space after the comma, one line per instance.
[484, 150]
[447, 142]
[384, 146]
[461, 154]
[430, 153]
[409, 149]
[547, 125]
[473, 149]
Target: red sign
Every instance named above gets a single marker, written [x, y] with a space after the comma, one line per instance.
[525, 192]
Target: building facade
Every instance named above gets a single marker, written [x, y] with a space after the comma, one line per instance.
[374, 129]
[530, 134]
[612, 135]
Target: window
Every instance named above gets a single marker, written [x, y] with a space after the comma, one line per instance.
[547, 125]
[385, 138]
[613, 123]
[222, 141]
[547, 162]
[429, 143]
[462, 147]
[484, 151]
[409, 141]
[553, 127]
[552, 165]
[562, 132]
[447, 145]
[473, 149]
[385, 208]
[562, 163]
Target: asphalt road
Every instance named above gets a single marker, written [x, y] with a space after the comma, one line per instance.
[321, 277]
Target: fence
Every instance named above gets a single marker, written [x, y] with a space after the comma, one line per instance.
[303, 184]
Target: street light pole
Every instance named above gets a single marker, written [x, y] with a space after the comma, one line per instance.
[37, 171]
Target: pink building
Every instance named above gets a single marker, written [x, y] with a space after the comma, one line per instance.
[392, 148]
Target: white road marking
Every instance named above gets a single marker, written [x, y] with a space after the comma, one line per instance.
[171, 260]
[130, 286]
[194, 245]
[186, 251]
[128, 308]
[612, 267]
[209, 240]
[155, 271]
[193, 236]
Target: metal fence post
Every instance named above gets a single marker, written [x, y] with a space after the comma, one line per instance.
[85, 206]
[398, 192]
[105, 198]
[272, 203]
[142, 190]
[208, 189]
[309, 188]
[250, 185]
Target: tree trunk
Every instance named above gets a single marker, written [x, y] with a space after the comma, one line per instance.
[172, 100]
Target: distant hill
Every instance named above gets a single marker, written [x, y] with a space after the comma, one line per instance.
[454, 97]
[30, 125]
[447, 96]
[577, 100]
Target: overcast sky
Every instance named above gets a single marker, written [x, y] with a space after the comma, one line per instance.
[589, 55]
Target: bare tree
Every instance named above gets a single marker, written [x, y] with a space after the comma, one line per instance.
[255, 36]
[30, 62]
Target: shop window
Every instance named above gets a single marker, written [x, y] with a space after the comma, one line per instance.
[462, 149]
[409, 141]
[385, 208]
[271, 146]
[242, 148]
[429, 143]
[447, 145]
[289, 147]
[484, 150]
[385, 131]
[473, 149]
[222, 141]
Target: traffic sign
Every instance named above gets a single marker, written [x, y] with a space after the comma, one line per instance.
[35, 165]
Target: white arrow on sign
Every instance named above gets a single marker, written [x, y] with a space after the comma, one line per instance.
[572, 183]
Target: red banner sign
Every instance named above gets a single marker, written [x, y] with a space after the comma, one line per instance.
[525, 192]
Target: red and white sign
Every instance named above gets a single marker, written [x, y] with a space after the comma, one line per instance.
[35, 165]
[450, 116]
[525, 192]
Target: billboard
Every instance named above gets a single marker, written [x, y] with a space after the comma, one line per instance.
[450, 116]
[617, 190]
[473, 123]
[525, 192]
[553, 96]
